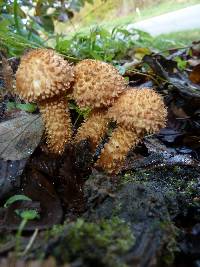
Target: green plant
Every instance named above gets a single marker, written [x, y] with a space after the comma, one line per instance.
[15, 198]
[102, 44]
[25, 24]
[82, 112]
[181, 63]
[25, 215]
[28, 107]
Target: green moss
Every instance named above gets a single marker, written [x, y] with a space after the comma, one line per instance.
[134, 177]
[56, 230]
[179, 185]
[103, 242]
[171, 247]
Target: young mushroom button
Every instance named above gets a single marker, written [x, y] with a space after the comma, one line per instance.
[44, 77]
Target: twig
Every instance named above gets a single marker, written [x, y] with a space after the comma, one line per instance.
[145, 74]
[30, 243]
[15, 9]
[75, 59]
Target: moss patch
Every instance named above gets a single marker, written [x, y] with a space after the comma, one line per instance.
[103, 242]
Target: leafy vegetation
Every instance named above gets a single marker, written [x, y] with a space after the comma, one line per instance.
[20, 31]
[26, 24]
[28, 107]
[15, 198]
[108, 239]
[179, 39]
[102, 44]
[25, 215]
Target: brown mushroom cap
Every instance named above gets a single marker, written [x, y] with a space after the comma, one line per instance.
[97, 84]
[142, 110]
[43, 74]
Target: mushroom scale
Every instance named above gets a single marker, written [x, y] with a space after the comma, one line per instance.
[137, 112]
[97, 84]
[44, 77]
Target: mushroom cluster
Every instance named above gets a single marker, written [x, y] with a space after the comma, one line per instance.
[46, 78]
[136, 111]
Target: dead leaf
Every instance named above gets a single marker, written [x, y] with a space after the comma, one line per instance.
[167, 69]
[7, 74]
[195, 74]
[45, 201]
[11, 260]
[140, 52]
[195, 49]
[193, 62]
[10, 172]
[20, 136]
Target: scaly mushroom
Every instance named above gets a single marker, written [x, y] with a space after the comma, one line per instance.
[44, 77]
[97, 85]
[137, 112]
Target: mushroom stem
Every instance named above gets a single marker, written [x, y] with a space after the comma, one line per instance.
[114, 153]
[57, 122]
[93, 128]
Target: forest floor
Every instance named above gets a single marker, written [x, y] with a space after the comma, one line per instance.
[55, 210]
[63, 210]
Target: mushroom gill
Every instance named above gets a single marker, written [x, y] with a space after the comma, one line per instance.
[44, 77]
[137, 112]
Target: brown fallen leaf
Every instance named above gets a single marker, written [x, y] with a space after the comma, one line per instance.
[20, 136]
[45, 201]
[195, 74]
[7, 74]
[11, 261]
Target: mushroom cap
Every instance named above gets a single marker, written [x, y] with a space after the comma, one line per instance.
[97, 84]
[141, 110]
[43, 74]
